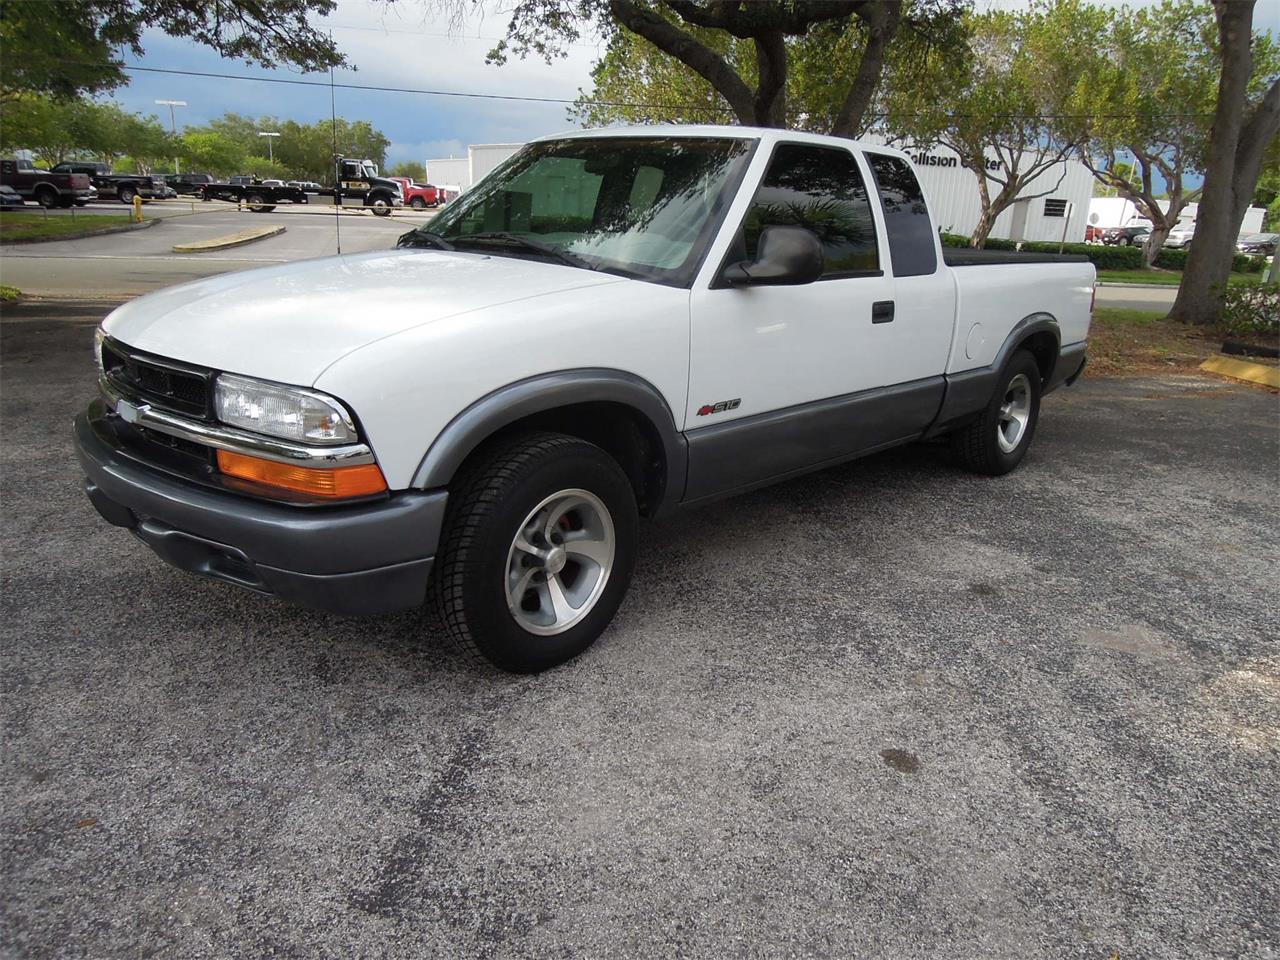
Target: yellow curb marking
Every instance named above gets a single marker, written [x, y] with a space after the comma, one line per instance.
[1244, 370]
[233, 240]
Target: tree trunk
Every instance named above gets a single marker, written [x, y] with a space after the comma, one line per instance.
[883, 19]
[1204, 281]
[770, 105]
[1151, 249]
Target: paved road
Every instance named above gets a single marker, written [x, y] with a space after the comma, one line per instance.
[138, 261]
[889, 710]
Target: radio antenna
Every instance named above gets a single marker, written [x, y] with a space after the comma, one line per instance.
[337, 184]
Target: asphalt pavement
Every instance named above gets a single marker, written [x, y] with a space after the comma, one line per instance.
[887, 710]
[126, 264]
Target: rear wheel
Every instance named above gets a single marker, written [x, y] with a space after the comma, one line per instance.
[418, 203]
[258, 203]
[537, 551]
[46, 196]
[996, 441]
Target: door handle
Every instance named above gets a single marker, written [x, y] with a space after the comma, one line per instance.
[882, 311]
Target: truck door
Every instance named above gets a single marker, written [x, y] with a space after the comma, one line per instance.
[924, 294]
[783, 378]
[352, 181]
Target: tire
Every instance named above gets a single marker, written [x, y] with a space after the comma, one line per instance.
[46, 197]
[258, 203]
[381, 206]
[125, 194]
[494, 598]
[988, 444]
[418, 203]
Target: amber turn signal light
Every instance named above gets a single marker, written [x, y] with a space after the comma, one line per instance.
[334, 482]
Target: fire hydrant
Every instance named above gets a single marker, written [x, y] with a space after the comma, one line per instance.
[137, 209]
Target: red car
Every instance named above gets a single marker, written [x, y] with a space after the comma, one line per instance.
[419, 195]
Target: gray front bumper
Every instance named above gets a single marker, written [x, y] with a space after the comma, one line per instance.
[358, 560]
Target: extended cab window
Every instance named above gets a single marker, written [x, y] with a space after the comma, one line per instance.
[818, 188]
[906, 218]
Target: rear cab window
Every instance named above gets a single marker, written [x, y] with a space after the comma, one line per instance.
[821, 189]
[908, 226]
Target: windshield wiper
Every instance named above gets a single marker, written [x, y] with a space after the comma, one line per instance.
[424, 238]
[515, 240]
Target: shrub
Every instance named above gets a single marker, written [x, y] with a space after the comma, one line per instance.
[1242, 264]
[1104, 258]
[1171, 259]
[1252, 312]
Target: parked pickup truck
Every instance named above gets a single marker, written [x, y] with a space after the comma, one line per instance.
[259, 196]
[608, 326]
[116, 186]
[45, 187]
[419, 195]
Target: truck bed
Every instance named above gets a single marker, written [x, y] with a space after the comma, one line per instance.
[968, 257]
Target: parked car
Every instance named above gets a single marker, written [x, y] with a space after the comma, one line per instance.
[1259, 244]
[1179, 237]
[419, 195]
[187, 184]
[1093, 234]
[274, 183]
[48, 188]
[10, 199]
[1133, 235]
[609, 325]
[116, 186]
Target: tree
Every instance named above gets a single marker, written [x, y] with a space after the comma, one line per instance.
[69, 49]
[684, 30]
[997, 109]
[209, 152]
[635, 82]
[1143, 121]
[1241, 134]
[57, 130]
[415, 171]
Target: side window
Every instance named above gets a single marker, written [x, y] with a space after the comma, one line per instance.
[906, 219]
[818, 188]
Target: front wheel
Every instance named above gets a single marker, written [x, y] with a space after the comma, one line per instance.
[537, 551]
[381, 206]
[996, 441]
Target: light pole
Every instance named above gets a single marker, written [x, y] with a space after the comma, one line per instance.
[173, 122]
[271, 153]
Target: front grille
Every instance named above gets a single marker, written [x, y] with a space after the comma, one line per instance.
[166, 384]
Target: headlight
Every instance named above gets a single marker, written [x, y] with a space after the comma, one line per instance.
[280, 411]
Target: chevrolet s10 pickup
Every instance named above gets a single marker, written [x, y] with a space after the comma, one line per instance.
[610, 325]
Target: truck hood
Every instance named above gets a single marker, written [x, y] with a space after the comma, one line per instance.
[288, 323]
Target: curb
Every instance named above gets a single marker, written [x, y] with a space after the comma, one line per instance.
[232, 240]
[1258, 373]
[101, 232]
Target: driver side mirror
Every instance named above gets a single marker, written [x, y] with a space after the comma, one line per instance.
[786, 256]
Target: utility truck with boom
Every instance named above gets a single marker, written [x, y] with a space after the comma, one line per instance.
[609, 326]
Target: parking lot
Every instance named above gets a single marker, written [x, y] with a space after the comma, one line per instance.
[142, 260]
[887, 710]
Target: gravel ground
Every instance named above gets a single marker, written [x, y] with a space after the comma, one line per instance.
[888, 710]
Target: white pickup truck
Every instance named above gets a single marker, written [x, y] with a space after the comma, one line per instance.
[608, 326]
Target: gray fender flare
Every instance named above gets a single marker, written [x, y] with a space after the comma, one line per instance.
[549, 391]
[969, 391]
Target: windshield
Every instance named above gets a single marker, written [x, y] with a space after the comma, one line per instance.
[369, 169]
[638, 206]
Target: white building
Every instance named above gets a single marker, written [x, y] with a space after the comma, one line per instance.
[1118, 212]
[952, 191]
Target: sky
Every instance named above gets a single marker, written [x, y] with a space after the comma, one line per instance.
[407, 44]
[398, 46]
